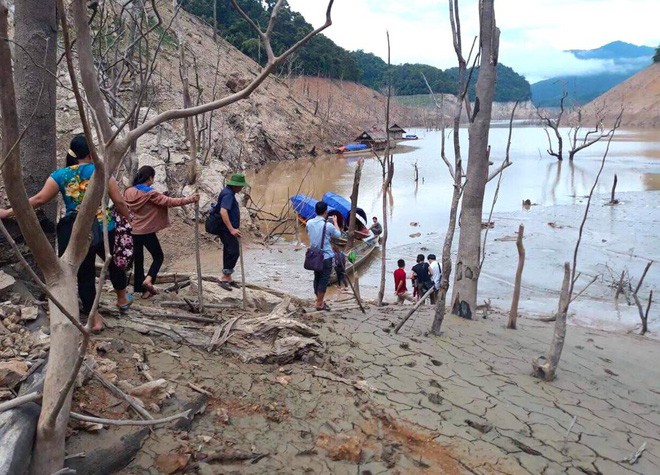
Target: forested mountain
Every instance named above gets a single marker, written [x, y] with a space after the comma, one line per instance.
[322, 57]
[510, 85]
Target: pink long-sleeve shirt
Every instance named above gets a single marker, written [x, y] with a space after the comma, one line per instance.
[150, 209]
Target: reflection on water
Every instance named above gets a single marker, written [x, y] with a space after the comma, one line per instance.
[534, 176]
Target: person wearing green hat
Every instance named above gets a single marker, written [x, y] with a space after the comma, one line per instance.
[230, 215]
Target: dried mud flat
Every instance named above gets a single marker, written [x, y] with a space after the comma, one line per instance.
[372, 402]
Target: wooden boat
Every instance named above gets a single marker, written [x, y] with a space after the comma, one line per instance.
[339, 206]
[353, 149]
[363, 250]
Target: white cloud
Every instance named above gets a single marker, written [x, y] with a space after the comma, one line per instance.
[534, 32]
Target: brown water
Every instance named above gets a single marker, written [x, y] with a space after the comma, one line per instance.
[534, 175]
[616, 238]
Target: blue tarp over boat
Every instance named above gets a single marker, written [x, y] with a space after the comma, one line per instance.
[351, 147]
[304, 205]
[338, 202]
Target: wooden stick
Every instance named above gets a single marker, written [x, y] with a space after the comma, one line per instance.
[198, 260]
[193, 303]
[20, 400]
[127, 422]
[414, 309]
[513, 313]
[120, 394]
[191, 318]
[357, 298]
[240, 250]
[203, 391]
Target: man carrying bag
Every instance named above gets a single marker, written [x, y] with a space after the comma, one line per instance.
[319, 255]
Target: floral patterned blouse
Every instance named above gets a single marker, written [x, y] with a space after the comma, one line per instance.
[73, 182]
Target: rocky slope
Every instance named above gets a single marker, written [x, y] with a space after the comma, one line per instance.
[639, 96]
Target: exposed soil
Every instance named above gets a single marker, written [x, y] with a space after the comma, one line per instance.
[638, 96]
[368, 401]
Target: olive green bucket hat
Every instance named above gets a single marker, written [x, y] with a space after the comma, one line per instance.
[238, 179]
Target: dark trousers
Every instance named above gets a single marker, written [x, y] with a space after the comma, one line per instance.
[87, 269]
[230, 252]
[341, 276]
[321, 278]
[150, 241]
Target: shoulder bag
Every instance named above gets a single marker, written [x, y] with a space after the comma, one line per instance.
[314, 256]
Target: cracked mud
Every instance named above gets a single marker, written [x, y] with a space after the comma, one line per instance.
[372, 402]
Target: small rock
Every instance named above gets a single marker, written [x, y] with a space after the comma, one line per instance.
[171, 463]
[156, 389]
[11, 372]
[284, 380]
[415, 235]
[29, 314]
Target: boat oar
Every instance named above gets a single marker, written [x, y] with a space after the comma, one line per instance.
[357, 298]
[240, 250]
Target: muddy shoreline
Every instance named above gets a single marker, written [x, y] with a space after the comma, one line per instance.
[372, 402]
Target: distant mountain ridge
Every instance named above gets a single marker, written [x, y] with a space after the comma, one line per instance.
[615, 50]
[322, 57]
[618, 61]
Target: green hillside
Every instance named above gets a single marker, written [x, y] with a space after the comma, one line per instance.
[322, 57]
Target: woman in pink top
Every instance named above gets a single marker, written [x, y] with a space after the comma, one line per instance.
[150, 216]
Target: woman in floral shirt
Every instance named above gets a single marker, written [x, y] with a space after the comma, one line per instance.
[72, 181]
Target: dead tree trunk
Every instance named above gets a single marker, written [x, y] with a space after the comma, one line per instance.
[469, 243]
[354, 197]
[545, 367]
[513, 313]
[644, 316]
[388, 172]
[456, 171]
[192, 138]
[613, 200]
[36, 56]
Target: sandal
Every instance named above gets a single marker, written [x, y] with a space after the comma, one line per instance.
[225, 285]
[150, 288]
[234, 284]
[324, 308]
[126, 306]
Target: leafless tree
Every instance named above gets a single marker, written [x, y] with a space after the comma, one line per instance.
[545, 367]
[387, 164]
[456, 171]
[466, 278]
[575, 139]
[68, 337]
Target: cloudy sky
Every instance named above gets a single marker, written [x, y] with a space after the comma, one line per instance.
[534, 33]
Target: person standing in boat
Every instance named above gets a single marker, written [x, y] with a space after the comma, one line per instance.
[376, 227]
[320, 239]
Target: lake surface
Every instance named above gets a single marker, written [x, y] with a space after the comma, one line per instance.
[557, 189]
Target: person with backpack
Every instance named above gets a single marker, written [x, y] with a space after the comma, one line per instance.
[72, 181]
[150, 215]
[224, 220]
